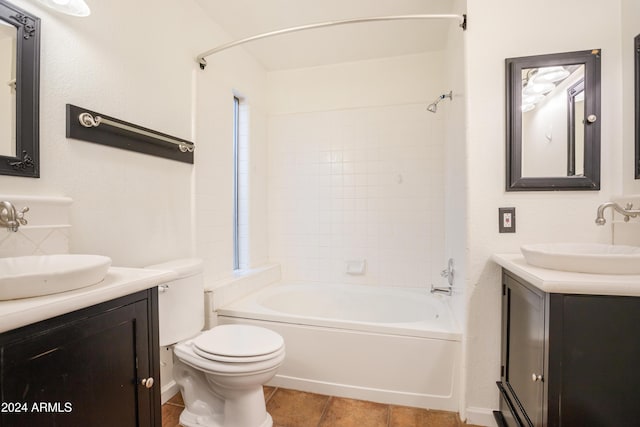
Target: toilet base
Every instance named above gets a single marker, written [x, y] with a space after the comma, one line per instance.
[188, 419]
[234, 404]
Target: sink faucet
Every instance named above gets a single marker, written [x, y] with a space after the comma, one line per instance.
[10, 217]
[627, 211]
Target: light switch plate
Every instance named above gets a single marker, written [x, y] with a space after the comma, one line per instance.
[507, 220]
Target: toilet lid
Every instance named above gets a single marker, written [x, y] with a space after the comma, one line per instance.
[238, 341]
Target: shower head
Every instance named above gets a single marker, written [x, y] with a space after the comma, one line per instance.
[433, 107]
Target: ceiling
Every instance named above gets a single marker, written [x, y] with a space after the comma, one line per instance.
[355, 42]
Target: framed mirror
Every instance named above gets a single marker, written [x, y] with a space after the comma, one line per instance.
[553, 122]
[19, 91]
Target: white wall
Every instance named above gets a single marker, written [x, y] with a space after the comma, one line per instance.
[356, 169]
[497, 30]
[135, 208]
[228, 74]
[391, 81]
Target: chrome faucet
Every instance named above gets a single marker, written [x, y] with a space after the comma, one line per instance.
[10, 218]
[448, 273]
[627, 211]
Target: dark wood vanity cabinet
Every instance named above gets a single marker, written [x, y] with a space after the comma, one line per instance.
[84, 368]
[568, 360]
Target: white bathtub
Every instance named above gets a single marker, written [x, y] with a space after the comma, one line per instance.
[386, 344]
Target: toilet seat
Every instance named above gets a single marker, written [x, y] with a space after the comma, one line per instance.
[238, 341]
[236, 359]
[229, 350]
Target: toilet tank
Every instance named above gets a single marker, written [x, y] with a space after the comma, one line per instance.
[180, 301]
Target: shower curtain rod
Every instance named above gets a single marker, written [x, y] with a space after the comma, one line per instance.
[203, 62]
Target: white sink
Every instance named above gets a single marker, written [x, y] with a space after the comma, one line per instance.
[584, 257]
[31, 276]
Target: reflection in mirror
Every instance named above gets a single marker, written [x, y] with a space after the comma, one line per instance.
[550, 145]
[546, 142]
[8, 43]
[575, 126]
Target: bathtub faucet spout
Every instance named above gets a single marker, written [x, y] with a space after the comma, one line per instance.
[444, 290]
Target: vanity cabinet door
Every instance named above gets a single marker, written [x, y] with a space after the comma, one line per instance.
[523, 349]
[80, 372]
[596, 378]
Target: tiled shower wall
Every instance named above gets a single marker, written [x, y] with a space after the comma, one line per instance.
[358, 184]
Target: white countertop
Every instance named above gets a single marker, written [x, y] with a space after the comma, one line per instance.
[118, 282]
[555, 281]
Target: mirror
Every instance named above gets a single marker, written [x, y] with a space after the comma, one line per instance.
[19, 91]
[553, 127]
[8, 37]
[636, 46]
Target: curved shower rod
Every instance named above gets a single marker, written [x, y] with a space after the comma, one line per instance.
[203, 62]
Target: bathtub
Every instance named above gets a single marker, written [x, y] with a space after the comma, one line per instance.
[385, 344]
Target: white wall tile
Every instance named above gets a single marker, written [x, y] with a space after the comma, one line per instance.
[382, 201]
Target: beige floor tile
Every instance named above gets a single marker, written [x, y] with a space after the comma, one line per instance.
[268, 392]
[402, 416]
[442, 419]
[290, 408]
[171, 415]
[176, 400]
[354, 413]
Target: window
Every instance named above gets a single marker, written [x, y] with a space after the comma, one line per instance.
[241, 181]
[236, 183]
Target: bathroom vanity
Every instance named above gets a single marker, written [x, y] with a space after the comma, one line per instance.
[570, 347]
[83, 358]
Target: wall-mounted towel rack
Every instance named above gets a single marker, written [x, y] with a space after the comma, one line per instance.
[88, 121]
[87, 125]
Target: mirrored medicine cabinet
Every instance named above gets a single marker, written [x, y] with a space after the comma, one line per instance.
[553, 122]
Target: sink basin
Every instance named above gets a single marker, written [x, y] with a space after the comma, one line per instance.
[584, 257]
[31, 276]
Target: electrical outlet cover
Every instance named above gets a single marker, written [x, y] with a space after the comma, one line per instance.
[507, 220]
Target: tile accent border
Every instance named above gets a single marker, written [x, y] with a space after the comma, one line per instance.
[48, 231]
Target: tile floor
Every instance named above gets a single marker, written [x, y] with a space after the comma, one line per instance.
[291, 408]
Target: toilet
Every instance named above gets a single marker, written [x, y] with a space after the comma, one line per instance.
[221, 371]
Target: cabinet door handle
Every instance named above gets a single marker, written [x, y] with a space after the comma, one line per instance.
[147, 382]
[535, 377]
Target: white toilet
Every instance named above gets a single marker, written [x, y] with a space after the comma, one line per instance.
[221, 371]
